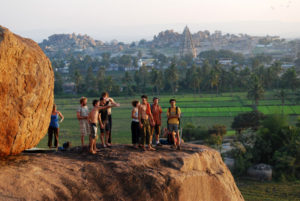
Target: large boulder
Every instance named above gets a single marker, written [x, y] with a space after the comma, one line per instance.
[196, 173]
[26, 93]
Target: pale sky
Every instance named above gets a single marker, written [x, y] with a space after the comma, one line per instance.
[128, 20]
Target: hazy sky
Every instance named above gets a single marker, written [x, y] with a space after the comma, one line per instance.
[128, 20]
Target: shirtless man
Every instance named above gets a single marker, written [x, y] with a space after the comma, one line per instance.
[109, 101]
[145, 117]
[93, 118]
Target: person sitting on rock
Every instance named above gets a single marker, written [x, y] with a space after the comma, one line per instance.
[171, 137]
[54, 126]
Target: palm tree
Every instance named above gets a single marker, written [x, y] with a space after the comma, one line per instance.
[194, 79]
[144, 76]
[282, 95]
[256, 90]
[127, 80]
[290, 79]
[77, 80]
[157, 80]
[214, 80]
[215, 76]
[100, 78]
[172, 77]
[90, 80]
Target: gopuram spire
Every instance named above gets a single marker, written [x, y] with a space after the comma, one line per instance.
[187, 45]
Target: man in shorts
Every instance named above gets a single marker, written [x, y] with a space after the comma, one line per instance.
[93, 118]
[156, 113]
[82, 116]
[173, 115]
[145, 116]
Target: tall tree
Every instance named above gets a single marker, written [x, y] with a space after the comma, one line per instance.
[78, 80]
[137, 80]
[109, 84]
[90, 80]
[205, 75]
[282, 95]
[127, 81]
[193, 78]
[105, 59]
[290, 80]
[172, 77]
[100, 79]
[256, 90]
[58, 84]
[157, 80]
[144, 76]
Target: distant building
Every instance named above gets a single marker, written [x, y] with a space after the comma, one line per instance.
[187, 45]
[146, 62]
[225, 61]
[286, 65]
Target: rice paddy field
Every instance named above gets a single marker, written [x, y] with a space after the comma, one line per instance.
[269, 191]
[205, 110]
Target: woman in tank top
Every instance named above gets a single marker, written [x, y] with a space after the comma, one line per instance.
[54, 126]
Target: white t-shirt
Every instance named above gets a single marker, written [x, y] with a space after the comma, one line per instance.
[84, 111]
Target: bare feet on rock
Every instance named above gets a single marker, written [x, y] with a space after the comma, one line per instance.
[150, 148]
[92, 152]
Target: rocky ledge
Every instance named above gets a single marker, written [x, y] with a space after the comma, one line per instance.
[120, 173]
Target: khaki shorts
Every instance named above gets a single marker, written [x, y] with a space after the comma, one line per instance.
[93, 131]
[84, 127]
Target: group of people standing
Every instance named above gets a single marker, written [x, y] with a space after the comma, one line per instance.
[146, 121]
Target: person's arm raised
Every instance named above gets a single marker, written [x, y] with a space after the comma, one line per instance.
[112, 101]
[108, 106]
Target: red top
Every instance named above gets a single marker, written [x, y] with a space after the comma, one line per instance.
[148, 110]
[156, 112]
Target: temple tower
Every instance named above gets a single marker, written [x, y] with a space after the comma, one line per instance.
[187, 45]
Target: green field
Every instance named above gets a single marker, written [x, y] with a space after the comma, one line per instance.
[269, 191]
[205, 110]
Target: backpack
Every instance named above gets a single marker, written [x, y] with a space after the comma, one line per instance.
[176, 114]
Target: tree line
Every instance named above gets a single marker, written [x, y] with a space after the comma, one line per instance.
[177, 75]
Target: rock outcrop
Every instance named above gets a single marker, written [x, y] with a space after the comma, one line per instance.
[196, 173]
[26, 93]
